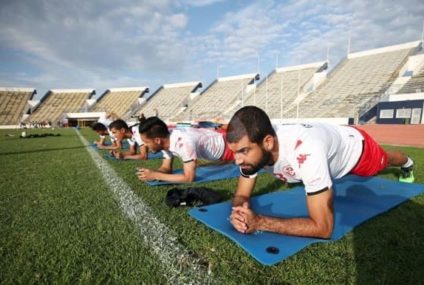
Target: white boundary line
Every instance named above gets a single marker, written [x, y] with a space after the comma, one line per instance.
[178, 265]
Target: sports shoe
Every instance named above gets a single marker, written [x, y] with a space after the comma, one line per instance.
[407, 174]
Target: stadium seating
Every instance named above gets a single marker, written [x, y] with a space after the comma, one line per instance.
[56, 103]
[168, 100]
[13, 102]
[415, 84]
[217, 97]
[121, 101]
[356, 80]
[280, 88]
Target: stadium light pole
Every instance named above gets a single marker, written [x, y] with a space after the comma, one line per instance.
[328, 55]
[349, 37]
[242, 94]
[422, 34]
[258, 67]
[266, 94]
[281, 97]
[276, 60]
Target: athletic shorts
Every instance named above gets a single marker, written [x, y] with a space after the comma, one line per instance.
[373, 158]
[228, 155]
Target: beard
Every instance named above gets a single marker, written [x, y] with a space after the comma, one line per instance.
[254, 168]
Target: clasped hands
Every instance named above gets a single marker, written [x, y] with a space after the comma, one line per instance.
[244, 219]
[117, 154]
[145, 174]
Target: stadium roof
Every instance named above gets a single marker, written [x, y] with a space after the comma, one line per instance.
[409, 45]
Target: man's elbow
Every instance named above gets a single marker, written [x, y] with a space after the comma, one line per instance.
[190, 178]
[325, 232]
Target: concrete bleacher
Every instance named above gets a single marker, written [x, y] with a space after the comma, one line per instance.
[359, 78]
[13, 104]
[121, 101]
[279, 90]
[169, 100]
[415, 84]
[56, 103]
[217, 98]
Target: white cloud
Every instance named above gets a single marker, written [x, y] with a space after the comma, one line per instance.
[103, 44]
[200, 3]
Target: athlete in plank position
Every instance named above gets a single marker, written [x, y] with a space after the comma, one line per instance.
[189, 144]
[311, 153]
[121, 131]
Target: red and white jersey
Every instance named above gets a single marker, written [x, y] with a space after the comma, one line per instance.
[315, 153]
[195, 143]
[135, 139]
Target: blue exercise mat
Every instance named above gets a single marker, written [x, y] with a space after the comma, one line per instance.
[125, 144]
[356, 200]
[150, 155]
[206, 174]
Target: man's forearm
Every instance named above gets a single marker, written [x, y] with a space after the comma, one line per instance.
[132, 156]
[305, 227]
[239, 200]
[109, 147]
[171, 177]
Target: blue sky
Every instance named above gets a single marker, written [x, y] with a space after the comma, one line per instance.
[103, 44]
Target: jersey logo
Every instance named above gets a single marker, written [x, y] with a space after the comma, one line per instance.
[302, 158]
[180, 144]
[289, 171]
[298, 143]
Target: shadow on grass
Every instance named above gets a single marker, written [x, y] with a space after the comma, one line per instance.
[41, 150]
[390, 250]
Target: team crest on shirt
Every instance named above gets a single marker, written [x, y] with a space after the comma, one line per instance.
[287, 174]
[289, 171]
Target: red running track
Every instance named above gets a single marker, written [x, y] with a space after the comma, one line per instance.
[402, 135]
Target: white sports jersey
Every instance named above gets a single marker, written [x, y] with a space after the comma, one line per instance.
[105, 121]
[135, 139]
[192, 143]
[315, 153]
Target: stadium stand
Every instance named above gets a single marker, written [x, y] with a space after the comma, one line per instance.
[56, 103]
[361, 77]
[219, 97]
[282, 86]
[169, 100]
[13, 104]
[415, 84]
[121, 101]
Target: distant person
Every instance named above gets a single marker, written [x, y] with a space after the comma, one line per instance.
[141, 118]
[121, 131]
[101, 127]
[312, 153]
[188, 144]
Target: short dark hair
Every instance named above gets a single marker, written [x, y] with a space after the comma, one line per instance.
[119, 124]
[98, 127]
[251, 121]
[153, 127]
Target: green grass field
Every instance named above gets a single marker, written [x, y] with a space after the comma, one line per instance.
[59, 223]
